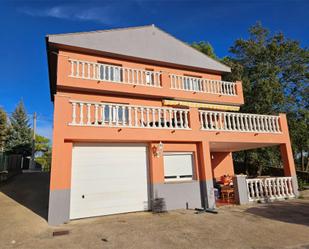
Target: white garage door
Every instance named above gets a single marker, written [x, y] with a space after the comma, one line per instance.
[108, 179]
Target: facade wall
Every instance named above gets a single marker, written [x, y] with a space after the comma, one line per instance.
[66, 82]
[195, 193]
[222, 164]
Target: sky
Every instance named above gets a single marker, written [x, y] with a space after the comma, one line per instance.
[24, 25]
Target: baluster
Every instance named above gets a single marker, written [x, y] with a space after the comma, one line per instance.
[175, 119]
[123, 115]
[159, 118]
[88, 70]
[277, 124]
[135, 117]
[282, 187]
[147, 117]
[242, 122]
[266, 124]
[77, 69]
[181, 118]
[224, 121]
[81, 114]
[290, 186]
[73, 113]
[170, 117]
[266, 188]
[210, 121]
[103, 114]
[273, 124]
[129, 116]
[94, 74]
[164, 118]
[153, 117]
[248, 190]
[269, 188]
[278, 187]
[257, 193]
[186, 119]
[142, 117]
[88, 114]
[252, 189]
[202, 120]
[110, 118]
[83, 70]
[116, 115]
[228, 118]
[254, 123]
[233, 122]
[96, 114]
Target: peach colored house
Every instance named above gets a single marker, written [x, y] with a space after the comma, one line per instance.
[142, 120]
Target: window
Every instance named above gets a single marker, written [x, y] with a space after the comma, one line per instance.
[110, 73]
[192, 83]
[178, 166]
[149, 77]
[116, 112]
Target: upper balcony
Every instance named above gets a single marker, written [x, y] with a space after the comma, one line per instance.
[146, 81]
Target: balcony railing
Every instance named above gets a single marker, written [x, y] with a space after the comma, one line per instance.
[131, 116]
[195, 84]
[241, 122]
[260, 189]
[105, 72]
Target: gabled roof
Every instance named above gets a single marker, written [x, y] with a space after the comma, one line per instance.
[146, 42]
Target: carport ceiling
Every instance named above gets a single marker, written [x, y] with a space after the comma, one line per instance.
[231, 147]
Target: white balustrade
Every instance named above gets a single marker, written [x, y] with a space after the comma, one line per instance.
[263, 189]
[105, 72]
[243, 122]
[131, 116]
[203, 85]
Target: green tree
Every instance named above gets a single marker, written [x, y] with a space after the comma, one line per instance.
[45, 160]
[19, 132]
[43, 152]
[42, 144]
[274, 75]
[3, 128]
[205, 48]
[274, 72]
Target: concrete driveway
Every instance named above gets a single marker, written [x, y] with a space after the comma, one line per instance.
[23, 209]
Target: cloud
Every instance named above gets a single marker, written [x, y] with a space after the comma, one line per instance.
[101, 14]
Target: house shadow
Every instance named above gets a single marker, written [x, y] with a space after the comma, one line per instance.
[296, 212]
[30, 190]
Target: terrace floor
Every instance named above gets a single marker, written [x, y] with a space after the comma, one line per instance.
[23, 209]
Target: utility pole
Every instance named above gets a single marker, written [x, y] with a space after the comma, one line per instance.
[33, 142]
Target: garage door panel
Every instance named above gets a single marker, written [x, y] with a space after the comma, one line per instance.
[112, 179]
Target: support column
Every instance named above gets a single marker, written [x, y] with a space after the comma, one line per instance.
[289, 166]
[241, 190]
[206, 177]
[287, 154]
[60, 175]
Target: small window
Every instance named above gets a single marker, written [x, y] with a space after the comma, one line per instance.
[149, 77]
[192, 83]
[122, 113]
[178, 166]
[110, 72]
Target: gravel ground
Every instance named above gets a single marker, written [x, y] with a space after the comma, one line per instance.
[23, 209]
